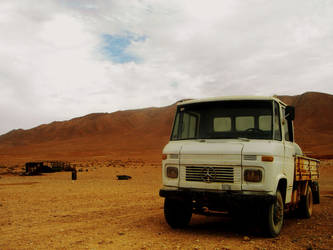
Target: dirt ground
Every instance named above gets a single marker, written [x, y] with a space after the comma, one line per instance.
[97, 211]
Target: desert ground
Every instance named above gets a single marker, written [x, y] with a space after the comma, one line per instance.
[97, 211]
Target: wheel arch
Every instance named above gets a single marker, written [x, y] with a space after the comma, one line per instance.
[282, 186]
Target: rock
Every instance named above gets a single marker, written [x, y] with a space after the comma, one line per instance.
[246, 238]
[124, 177]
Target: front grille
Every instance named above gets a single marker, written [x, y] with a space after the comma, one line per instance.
[210, 174]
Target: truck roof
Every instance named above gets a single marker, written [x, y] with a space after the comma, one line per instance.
[230, 98]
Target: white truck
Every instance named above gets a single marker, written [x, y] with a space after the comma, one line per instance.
[229, 154]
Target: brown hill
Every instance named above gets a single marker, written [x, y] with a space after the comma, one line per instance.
[124, 133]
[313, 122]
[142, 133]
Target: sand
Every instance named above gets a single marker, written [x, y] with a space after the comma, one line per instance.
[97, 211]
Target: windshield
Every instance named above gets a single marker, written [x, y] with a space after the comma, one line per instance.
[224, 120]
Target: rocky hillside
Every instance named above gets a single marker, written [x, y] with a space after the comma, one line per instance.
[145, 131]
[313, 122]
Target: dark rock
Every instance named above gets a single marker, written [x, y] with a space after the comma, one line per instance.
[124, 177]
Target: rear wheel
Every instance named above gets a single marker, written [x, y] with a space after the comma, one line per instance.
[274, 216]
[306, 204]
[316, 193]
[177, 213]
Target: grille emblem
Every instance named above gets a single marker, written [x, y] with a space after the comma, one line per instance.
[208, 174]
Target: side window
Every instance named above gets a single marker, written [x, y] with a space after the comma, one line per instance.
[222, 124]
[244, 122]
[277, 126]
[287, 136]
[175, 128]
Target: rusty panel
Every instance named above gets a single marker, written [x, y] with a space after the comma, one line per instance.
[306, 168]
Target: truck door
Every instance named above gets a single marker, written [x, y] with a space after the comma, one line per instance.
[289, 152]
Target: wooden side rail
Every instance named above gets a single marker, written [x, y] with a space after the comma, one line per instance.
[306, 168]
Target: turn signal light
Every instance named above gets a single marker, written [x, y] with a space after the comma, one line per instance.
[268, 158]
[164, 156]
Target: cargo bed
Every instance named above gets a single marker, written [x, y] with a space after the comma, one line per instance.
[306, 168]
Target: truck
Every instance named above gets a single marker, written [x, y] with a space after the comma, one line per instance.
[230, 154]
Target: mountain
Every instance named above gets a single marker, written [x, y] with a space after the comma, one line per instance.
[124, 133]
[313, 122]
[144, 132]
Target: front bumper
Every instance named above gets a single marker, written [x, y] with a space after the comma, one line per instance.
[222, 197]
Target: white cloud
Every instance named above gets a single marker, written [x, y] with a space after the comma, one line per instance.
[52, 66]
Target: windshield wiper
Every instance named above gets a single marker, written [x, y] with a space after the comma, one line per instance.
[243, 138]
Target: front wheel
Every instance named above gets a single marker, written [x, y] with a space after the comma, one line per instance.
[177, 213]
[274, 216]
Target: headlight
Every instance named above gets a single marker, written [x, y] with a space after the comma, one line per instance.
[252, 175]
[172, 172]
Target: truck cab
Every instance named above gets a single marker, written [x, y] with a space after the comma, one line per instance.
[228, 152]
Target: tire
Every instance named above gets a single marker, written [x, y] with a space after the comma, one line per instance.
[306, 203]
[316, 193]
[274, 216]
[177, 213]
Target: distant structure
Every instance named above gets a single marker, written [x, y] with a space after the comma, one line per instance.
[35, 168]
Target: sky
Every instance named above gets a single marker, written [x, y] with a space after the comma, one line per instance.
[61, 59]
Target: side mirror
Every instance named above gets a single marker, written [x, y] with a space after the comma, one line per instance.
[290, 113]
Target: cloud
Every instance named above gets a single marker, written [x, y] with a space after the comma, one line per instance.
[62, 59]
